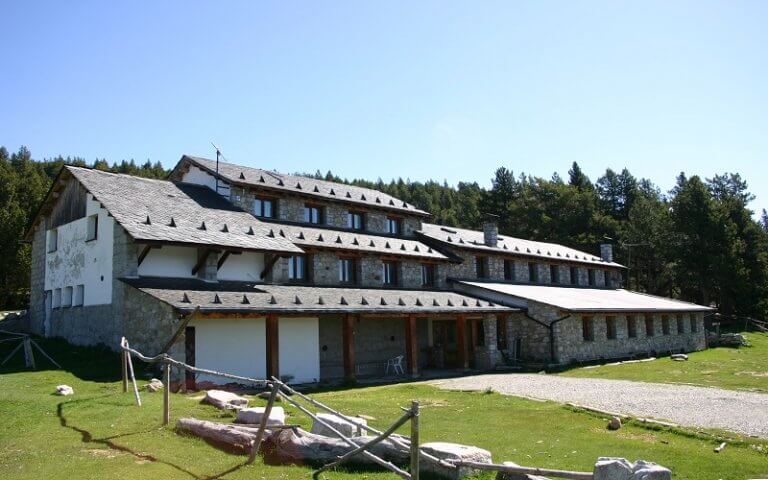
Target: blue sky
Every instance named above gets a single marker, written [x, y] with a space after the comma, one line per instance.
[420, 90]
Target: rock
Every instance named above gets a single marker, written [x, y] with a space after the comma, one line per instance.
[614, 424]
[225, 400]
[732, 340]
[265, 396]
[613, 468]
[154, 385]
[253, 415]
[650, 471]
[453, 451]
[64, 390]
[679, 357]
[517, 476]
[347, 428]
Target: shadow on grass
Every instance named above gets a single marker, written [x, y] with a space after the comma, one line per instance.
[109, 442]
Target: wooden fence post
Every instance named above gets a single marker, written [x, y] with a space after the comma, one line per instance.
[124, 361]
[415, 440]
[167, 393]
[264, 420]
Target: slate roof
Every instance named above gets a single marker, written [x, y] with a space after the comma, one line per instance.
[186, 295]
[475, 240]
[576, 299]
[265, 179]
[171, 212]
[353, 241]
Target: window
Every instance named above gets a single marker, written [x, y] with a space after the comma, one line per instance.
[574, 276]
[346, 270]
[93, 228]
[427, 275]
[53, 240]
[313, 214]
[591, 274]
[389, 272]
[665, 324]
[649, 325]
[509, 270]
[554, 274]
[66, 297]
[393, 225]
[264, 207]
[481, 267]
[77, 300]
[631, 326]
[56, 303]
[587, 329]
[355, 220]
[694, 323]
[533, 272]
[680, 325]
[610, 327]
[297, 268]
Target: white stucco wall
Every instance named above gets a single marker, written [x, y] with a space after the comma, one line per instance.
[169, 261]
[201, 177]
[299, 341]
[80, 262]
[236, 346]
[246, 267]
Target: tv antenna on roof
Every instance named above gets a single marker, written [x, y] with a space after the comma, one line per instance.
[218, 155]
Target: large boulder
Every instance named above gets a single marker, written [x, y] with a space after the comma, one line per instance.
[453, 451]
[613, 468]
[349, 429]
[650, 471]
[255, 414]
[225, 400]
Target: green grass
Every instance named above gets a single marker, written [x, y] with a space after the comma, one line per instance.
[99, 432]
[744, 368]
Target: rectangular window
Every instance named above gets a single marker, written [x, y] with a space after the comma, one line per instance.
[79, 295]
[554, 274]
[610, 327]
[56, 303]
[355, 220]
[346, 270]
[509, 270]
[680, 325]
[66, 297]
[574, 276]
[313, 214]
[694, 323]
[427, 275]
[389, 272]
[393, 225]
[53, 240]
[533, 272]
[587, 329]
[297, 268]
[649, 326]
[591, 275]
[481, 267]
[665, 324]
[264, 207]
[93, 228]
[631, 326]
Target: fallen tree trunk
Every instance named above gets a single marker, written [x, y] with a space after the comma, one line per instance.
[299, 447]
[219, 434]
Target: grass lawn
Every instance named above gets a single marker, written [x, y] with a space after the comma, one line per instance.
[99, 432]
[744, 368]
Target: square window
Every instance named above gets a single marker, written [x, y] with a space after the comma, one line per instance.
[389, 273]
[355, 220]
[264, 207]
[313, 214]
[393, 225]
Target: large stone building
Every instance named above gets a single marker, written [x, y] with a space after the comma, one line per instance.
[258, 273]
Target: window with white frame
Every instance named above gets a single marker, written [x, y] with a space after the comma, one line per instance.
[79, 296]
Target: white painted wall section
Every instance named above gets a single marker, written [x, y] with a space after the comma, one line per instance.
[199, 176]
[299, 344]
[169, 261]
[246, 266]
[77, 261]
[236, 346]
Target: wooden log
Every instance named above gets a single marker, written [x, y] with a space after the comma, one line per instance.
[124, 365]
[549, 472]
[597, 410]
[133, 376]
[264, 420]
[29, 357]
[217, 433]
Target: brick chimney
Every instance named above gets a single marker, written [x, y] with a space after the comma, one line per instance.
[606, 252]
[490, 230]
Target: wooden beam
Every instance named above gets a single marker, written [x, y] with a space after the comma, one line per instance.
[273, 346]
[201, 261]
[145, 252]
[223, 259]
[461, 341]
[348, 345]
[411, 345]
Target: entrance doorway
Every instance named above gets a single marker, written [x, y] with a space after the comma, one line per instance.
[445, 348]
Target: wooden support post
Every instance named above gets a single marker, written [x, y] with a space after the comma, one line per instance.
[273, 346]
[415, 440]
[348, 345]
[461, 341]
[411, 345]
[29, 357]
[125, 370]
[167, 393]
[264, 419]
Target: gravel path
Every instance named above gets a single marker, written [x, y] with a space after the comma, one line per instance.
[741, 412]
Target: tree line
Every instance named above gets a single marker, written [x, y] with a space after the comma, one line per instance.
[697, 242]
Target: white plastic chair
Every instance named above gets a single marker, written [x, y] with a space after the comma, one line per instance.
[397, 365]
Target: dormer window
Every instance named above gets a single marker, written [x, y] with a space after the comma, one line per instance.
[394, 225]
[313, 214]
[264, 207]
[356, 220]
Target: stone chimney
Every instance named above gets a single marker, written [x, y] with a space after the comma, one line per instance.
[490, 230]
[606, 252]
